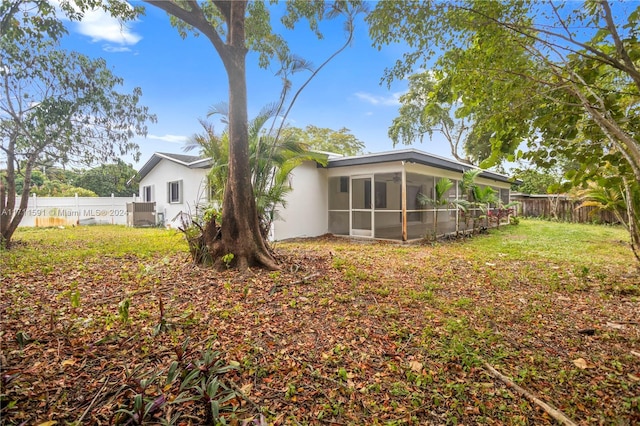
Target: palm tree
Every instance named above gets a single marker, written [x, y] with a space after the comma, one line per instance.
[465, 203]
[483, 198]
[619, 197]
[468, 181]
[271, 159]
[603, 198]
[441, 198]
[477, 197]
[462, 206]
[216, 148]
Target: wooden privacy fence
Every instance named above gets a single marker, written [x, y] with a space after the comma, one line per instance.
[560, 207]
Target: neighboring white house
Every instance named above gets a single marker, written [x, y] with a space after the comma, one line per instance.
[372, 195]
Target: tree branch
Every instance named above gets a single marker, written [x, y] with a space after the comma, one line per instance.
[552, 411]
[622, 51]
[526, 31]
[225, 8]
[194, 17]
[336, 53]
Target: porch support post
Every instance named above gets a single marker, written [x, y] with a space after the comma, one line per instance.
[403, 191]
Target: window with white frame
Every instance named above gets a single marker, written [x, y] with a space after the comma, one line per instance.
[174, 191]
[147, 193]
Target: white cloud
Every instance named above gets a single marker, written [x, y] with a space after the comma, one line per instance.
[115, 49]
[101, 26]
[169, 138]
[392, 100]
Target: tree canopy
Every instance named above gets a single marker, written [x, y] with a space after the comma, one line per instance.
[544, 80]
[328, 140]
[53, 182]
[429, 107]
[109, 179]
[534, 181]
[56, 106]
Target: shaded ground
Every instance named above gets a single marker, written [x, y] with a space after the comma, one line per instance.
[346, 333]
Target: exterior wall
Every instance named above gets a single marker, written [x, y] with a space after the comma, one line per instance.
[307, 212]
[366, 169]
[433, 171]
[194, 190]
[306, 209]
[493, 183]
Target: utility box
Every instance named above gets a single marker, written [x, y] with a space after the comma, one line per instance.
[141, 214]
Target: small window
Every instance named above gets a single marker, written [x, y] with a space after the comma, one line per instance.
[147, 194]
[174, 191]
[344, 183]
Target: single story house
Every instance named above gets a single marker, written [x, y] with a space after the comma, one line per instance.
[371, 195]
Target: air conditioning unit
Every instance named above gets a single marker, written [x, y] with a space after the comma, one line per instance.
[141, 214]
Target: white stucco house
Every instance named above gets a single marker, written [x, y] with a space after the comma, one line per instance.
[371, 196]
[177, 183]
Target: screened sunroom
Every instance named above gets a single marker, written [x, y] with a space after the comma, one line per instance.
[385, 196]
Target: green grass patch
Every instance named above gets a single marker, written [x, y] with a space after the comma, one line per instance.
[47, 248]
[579, 244]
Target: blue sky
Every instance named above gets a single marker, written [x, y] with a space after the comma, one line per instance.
[182, 78]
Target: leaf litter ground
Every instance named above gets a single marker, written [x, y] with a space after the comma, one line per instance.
[346, 333]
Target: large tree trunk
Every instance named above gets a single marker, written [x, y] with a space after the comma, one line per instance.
[241, 234]
[10, 216]
[4, 211]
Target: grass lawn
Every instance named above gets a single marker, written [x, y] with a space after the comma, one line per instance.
[113, 325]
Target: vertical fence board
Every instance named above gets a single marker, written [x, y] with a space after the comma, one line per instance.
[563, 209]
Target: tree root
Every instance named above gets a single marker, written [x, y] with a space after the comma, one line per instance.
[207, 247]
[276, 287]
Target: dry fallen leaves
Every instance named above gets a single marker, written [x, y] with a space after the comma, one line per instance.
[581, 363]
[379, 331]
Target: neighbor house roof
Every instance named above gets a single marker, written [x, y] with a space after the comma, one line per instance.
[413, 156]
[190, 161]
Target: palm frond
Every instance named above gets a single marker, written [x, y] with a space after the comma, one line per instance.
[469, 179]
[463, 205]
[266, 113]
[222, 109]
[484, 194]
[442, 186]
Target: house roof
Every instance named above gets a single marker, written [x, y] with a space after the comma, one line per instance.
[406, 155]
[413, 156]
[190, 161]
